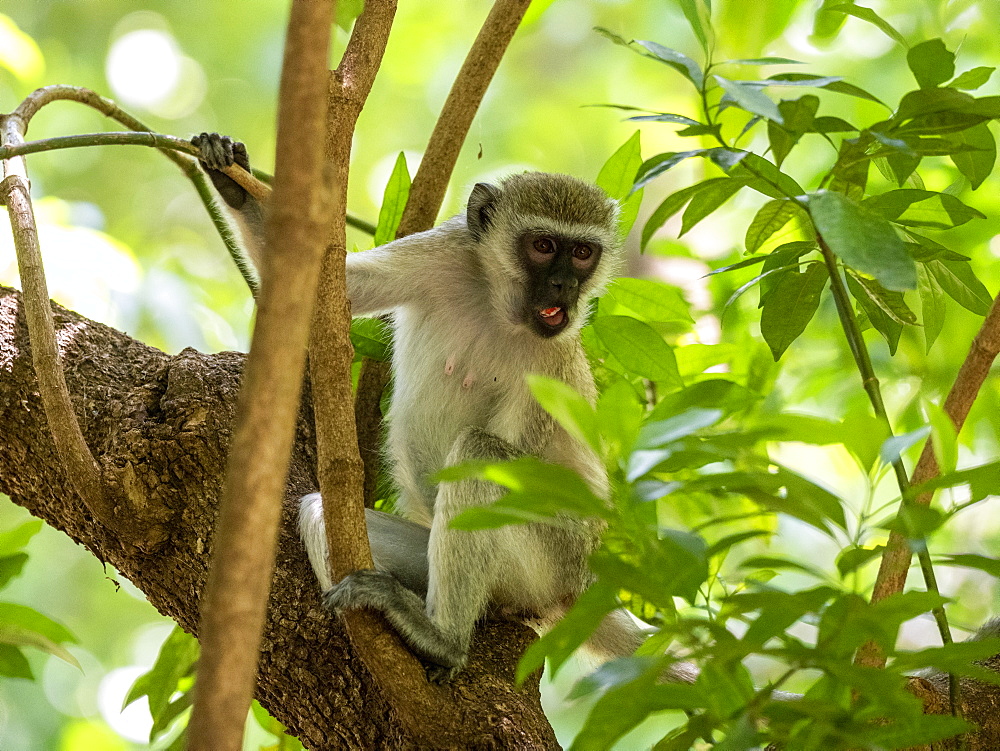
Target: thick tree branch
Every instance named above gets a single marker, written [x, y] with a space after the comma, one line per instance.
[895, 562]
[163, 425]
[240, 570]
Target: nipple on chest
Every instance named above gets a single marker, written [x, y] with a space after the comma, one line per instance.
[449, 366]
[468, 381]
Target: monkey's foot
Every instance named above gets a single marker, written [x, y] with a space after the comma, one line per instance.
[406, 612]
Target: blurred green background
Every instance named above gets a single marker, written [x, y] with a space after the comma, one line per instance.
[127, 242]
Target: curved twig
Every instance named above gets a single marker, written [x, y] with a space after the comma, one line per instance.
[59, 92]
[79, 463]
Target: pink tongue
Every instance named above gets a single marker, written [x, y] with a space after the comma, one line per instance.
[553, 316]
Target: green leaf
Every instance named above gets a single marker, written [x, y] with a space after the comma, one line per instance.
[616, 178]
[675, 566]
[850, 172]
[676, 60]
[663, 117]
[13, 663]
[627, 704]
[863, 240]
[891, 303]
[770, 218]
[763, 61]
[538, 491]
[639, 348]
[920, 730]
[971, 560]
[763, 176]
[826, 124]
[982, 481]
[751, 99]
[921, 208]
[347, 11]
[15, 540]
[661, 432]
[885, 324]
[571, 631]
[867, 14]
[831, 83]
[706, 201]
[397, 192]
[21, 637]
[649, 299]
[657, 165]
[697, 13]
[958, 280]
[798, 115]
[618, 173]
[944, 438]
[670, 206]
[174, 662]
[371, 338]
[931, 63]
[932, 306]
[574, 413]
[173, 710]
[894, 446]
[11, 566]
[972, 79]
[30, 619]
[790, 306]
[977, 164]
[923, 102]
[851, 559]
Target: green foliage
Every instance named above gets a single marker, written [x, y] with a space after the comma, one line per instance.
[673, 436]
[21, 626]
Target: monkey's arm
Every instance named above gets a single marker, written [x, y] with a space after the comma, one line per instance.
[416, 269]
[218, 152]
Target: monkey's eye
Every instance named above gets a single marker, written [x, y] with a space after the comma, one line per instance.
[583, 252]
[544, 245]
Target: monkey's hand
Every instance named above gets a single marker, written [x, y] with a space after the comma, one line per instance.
[218, 152]
[406, 611]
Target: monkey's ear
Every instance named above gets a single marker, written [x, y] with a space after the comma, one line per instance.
[479, 213]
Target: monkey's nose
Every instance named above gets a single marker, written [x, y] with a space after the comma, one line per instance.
[561, 282]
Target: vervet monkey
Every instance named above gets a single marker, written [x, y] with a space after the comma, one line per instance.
[477, 303]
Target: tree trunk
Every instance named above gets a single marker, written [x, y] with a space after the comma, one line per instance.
[160, 428]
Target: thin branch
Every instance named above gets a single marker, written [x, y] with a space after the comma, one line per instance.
[79, 463]
[871, 385]
[429, 713]
[467, 92]
[428, 190]
[235, 599]
[895, 562]
[49, 94]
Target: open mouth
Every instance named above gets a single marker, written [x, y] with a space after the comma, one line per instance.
[552, 317]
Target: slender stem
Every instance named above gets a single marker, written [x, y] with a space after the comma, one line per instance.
[127, 138]
[870, 382]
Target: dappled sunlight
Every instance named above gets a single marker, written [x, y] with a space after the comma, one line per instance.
[86, 270]
[147, 69]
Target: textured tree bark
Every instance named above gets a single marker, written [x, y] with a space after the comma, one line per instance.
[161, 425]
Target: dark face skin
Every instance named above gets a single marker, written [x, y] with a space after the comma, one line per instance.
[557, 266]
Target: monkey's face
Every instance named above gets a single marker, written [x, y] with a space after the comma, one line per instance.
[557, 268]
